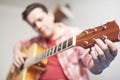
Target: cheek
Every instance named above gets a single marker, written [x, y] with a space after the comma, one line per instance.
[49, 27]
[49, 30]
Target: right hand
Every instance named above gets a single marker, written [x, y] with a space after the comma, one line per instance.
[19, 58]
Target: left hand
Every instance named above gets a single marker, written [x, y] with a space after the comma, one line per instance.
[103, 53]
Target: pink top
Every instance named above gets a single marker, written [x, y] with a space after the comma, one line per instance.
[72, 62]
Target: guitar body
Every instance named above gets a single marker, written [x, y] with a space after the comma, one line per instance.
[31, 73]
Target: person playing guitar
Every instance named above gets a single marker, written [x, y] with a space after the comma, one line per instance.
[70, 64]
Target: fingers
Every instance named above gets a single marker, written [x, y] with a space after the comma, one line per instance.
[103, 53]
[16, 63]
[22, 58]
[108, 48]
[98, 63]
[112, 48]
[94, 55]
[19, 59]
[100, 53]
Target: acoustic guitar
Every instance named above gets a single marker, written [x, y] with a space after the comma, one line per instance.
[37, 55]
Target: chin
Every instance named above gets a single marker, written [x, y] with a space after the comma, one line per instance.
[46, 36]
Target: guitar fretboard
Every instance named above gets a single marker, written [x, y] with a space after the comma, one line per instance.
[50, 52]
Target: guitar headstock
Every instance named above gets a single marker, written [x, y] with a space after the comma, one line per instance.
[109, 30]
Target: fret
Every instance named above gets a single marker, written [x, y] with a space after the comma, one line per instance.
[47, 52]
[70, 42]
[45, 55]
[64, 44]
[51, 50]
[39, 56]
[59, 47]
[42, 56]
[55, 49]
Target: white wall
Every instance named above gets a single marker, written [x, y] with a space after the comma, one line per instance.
[88, 13]
[12, 29]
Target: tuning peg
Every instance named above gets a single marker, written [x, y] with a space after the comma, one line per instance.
[104, 37]
[86, 32]
[86, 42]
[104, 27]
[94, 30]
[93, 39]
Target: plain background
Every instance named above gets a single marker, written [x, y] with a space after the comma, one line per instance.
[88, 13]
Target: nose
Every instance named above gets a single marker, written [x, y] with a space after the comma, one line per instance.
[38, 24]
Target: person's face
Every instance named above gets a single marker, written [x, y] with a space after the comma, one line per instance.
[41, 22]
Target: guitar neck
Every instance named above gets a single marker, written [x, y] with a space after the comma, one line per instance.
[85, 39]
[58, 48]
[51, 51]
